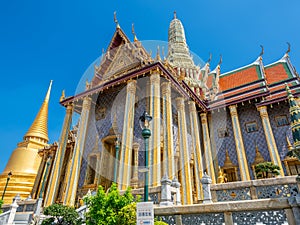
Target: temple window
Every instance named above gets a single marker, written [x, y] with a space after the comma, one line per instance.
[251, 127]
[223, 132]
[281, 120]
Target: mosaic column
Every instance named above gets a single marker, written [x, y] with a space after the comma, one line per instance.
[196, 148]
[213, 143]
[239, 143]
[135, 178]
[72, 179]
[207, 148]
[127, 137]
[154, 141]
[168, 150]
[184, 156]
[59, 158]
[270, 138]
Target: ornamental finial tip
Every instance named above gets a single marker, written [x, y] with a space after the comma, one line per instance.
[175, 16]
[116, 20]
[221, 60]
[210, 56]
[262, 51]
[289, 48]
[133, 32]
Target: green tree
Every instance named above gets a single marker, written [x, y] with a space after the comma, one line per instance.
[111, 208]
[1, 202]
[61, 215]
[266, 170]
[160, 223]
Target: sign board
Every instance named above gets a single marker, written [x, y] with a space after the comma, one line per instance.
[144, 213]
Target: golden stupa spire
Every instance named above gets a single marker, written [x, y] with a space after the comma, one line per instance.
[258, 156]
[289, 145]
[39, 127]
[227, 163]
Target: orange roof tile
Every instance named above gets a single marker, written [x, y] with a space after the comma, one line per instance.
[238, 78]
[210, 81]
[276, 73]
[247, 88]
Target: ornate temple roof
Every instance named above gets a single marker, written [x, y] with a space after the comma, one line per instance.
[126, 60]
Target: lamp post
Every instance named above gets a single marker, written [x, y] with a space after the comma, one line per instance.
[117, 147]
[45, 177]
[7, 180]
[146, 133]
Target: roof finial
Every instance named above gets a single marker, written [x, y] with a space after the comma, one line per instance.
[158, 54]
[221, 60]
[133, 32]
[262, 51]
[289, 48]
[116, 20]
[210, 56]
[163, 52]
[175, 16]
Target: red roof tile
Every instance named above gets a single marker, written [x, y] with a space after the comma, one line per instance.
[276, 73]
[238, 78]
[209, 81]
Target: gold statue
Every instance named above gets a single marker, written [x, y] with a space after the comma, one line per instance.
[221, 176]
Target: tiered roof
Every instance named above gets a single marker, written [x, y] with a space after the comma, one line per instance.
[256, 80]
[211, 90]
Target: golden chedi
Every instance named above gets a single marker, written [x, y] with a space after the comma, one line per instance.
[24, 160]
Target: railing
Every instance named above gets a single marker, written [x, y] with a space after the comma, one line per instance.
[255, 189]
[81, 211]
[4, 217]
[154, 194]
[250, 212]
[23, 206]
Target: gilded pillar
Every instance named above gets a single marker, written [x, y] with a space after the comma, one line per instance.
[72, 179]
[39, 176]
[270, 138]
[207, 148]
[127, 137]
[196, 148]
[154, 150]
[59, 158]
[186, 181]
[168, 148]
[135, 178]
[239, 143]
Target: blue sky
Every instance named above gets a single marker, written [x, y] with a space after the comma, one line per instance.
[58, 40]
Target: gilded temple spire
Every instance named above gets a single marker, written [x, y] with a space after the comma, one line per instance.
[39, 127]
[178, 52]
[134, 34]
[289, 145]
[258, 156]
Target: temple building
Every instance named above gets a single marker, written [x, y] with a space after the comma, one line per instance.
[203, 121]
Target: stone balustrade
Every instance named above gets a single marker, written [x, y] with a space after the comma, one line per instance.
[260, 211]
[255, 189]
